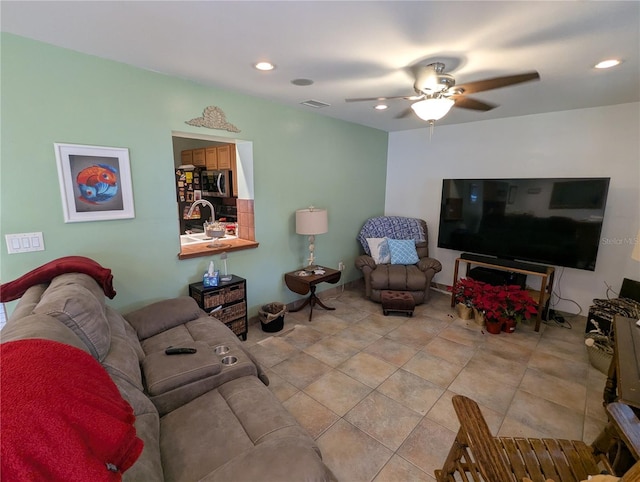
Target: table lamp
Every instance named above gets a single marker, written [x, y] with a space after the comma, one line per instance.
[311, 221]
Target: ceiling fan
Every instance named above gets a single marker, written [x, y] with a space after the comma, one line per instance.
[437, 92]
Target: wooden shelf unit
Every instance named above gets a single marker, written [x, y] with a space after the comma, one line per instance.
[543, 295]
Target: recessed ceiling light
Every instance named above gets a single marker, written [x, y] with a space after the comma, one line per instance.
[302, 82]
[381, 107]
[606, 64]
[264, 66]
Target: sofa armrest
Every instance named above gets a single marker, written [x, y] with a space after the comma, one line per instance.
[164, 373]
[429, 263]
[163, 315]
[365, 261]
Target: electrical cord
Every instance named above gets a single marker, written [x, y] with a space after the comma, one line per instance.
[610, 289]
[558, 320]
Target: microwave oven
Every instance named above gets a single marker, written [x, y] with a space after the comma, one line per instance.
[216, 183]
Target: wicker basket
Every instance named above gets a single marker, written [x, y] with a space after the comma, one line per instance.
[239, 326]
[229, 313]
[599, 359]
[224, 296]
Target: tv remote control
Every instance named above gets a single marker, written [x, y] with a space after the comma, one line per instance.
[179, 350]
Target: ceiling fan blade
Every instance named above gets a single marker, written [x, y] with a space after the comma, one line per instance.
[469, 103]
[369, 99]
[405, 113]
[497, 82]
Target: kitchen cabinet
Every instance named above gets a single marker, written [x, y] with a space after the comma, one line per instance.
[224, 156]
[186, 157]
[211, 158]
[199, 158]
[195, 157]
[226, 302]
[220, 157]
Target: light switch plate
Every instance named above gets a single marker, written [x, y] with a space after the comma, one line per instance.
[24, 242]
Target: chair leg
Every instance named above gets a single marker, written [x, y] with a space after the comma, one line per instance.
[450, 464]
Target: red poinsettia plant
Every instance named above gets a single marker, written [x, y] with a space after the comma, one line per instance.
[465, 290]
[504, 302]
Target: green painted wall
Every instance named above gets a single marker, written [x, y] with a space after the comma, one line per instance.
[52, 95]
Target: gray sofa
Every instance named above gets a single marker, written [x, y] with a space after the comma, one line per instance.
[199, 419]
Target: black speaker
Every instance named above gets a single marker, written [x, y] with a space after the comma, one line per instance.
[498, 277]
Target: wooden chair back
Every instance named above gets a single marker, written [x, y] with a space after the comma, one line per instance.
[476, 455]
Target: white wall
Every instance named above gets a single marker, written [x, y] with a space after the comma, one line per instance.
[602, 141]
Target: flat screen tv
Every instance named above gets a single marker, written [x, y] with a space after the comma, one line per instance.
[554, 221]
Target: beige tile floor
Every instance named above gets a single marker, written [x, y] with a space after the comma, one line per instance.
[375, 391]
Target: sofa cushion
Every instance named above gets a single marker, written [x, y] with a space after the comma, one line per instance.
[221, 424]
[121, 328]
[132, 336]
[262, 415]
[41, 326]
[163, 315]
[206, 434]
[148, 467]
[76, 307]
[403, 251]
[398, 277]
[379, 249]
[79, 279]
[164, 373]
[122, 361]
[28, 302]
[176, 336]
[275, 461]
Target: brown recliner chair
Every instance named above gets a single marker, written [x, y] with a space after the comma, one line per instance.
[413, 278]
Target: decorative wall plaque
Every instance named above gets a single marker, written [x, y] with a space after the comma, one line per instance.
[213, 117]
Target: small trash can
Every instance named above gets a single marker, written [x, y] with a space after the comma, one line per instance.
[272, 316]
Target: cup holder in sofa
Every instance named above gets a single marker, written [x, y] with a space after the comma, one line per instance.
[221, 350]
[229, 360]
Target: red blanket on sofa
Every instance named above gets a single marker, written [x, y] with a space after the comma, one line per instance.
[62, 418]
[69, 264]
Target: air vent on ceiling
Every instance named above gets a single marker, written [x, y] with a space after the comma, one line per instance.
[315, 103]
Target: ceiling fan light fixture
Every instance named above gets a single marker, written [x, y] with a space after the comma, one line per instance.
[264, 66]
[607, 64]
[432, 109]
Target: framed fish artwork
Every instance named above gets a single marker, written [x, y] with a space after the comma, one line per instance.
[95, 182]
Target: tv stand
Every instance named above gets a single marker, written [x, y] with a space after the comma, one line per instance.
[547, 274]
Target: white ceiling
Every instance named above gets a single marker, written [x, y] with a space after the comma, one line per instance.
[360, 48]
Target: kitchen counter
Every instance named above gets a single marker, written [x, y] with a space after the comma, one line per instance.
[201, 249]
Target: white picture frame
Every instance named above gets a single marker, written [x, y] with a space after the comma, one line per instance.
[95, 182]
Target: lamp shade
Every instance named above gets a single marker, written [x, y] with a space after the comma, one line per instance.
[312, 221]
[432, 109]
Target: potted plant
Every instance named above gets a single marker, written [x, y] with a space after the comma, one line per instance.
[517, 305]
[464, 292]
[504, 306]
[484, 301]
